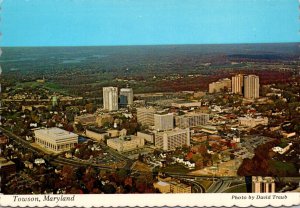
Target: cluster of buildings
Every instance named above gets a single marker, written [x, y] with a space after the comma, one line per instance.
[111, 98]
[246, 85]
[263, 184]
[167, 131]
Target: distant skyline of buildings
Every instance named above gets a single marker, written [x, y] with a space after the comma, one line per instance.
[246, 85]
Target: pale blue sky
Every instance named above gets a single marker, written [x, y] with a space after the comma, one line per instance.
[146, 22]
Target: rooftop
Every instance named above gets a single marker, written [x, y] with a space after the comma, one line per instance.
[55, 133]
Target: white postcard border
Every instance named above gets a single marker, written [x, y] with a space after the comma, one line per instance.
[152, 200]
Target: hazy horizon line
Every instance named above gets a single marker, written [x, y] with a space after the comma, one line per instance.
[133, 45]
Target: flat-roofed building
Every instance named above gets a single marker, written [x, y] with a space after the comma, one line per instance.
[191, 120]
[163, 122]
[110, 98]
[172, 186]
[169, 140]
[98, 135]
[145, 116]
[127, 143]
[186, 104]
[263, 184]
[55, 139]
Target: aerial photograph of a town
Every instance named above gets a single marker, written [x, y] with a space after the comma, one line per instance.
[132, 114]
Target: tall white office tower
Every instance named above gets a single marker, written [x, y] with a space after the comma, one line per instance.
[237, 84]
[251, 87]
[110, 98]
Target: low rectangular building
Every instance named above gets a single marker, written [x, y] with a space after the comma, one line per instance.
[191, 120]
[186, 104]
[252, 122]
[55, 139]
[85, 120]
[96, 135]
[172, 186]
[128, 143]
[220, 85]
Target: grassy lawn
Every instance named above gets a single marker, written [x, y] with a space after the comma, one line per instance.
[176, 169]
[28, 84]
[55, 88]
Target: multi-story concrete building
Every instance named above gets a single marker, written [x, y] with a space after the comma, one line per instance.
[164, 122]
[55, 139]
[251, 87]
[169, 140]
[110, 98]
[145, 116]
[191, 120]
[219, 85]
[96, 134]
[237, 84]
[127, 143]
[126, 97]
[263, 184]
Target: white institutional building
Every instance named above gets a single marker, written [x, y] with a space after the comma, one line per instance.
[251, 87]
[169, 140]
[164, 122]
[55, 139]
[110, 98]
